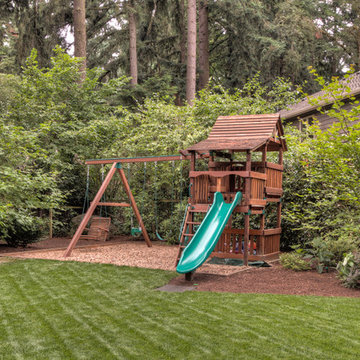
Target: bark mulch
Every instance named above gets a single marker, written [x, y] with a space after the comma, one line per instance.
[209, 277]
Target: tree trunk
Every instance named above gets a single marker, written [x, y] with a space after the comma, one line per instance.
[191, 53]
[132, 44]
[182, 30]
[203, 44]
[80, 34]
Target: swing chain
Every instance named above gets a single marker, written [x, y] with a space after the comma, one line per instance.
[86, 198]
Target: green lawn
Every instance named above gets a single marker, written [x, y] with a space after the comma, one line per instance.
[56, 310]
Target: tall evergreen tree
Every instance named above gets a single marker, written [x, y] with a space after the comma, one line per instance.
[80, 33]
[339, 24]
[191, 52]
[132, 43]
[203, 44]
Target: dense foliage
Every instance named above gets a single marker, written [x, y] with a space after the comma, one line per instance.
[322, 196]
[59, 124]
[40, 160]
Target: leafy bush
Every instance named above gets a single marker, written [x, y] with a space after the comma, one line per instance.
[22, 230]
[319, 255]
[349, 270]
[294, 261]
[321, 193]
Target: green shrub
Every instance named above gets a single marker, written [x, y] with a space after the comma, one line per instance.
[23, 230]
[294, 261]
[349, 270]
[321, 171]
[319, 255]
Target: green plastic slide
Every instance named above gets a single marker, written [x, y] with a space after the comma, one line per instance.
[204, 241]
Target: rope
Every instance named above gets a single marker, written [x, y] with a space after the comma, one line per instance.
[156, 205]
[173, 186]
[129, 178]
[86, 198]
[143, 192]
[103, 199]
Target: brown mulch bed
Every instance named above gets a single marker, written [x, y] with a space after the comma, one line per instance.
[209, 277]
[55, 243]
[272, 280]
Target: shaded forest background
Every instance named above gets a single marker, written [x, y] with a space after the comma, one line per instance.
[241, 38]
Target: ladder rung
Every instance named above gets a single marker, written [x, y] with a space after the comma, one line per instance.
[194, 222]
[189, 234]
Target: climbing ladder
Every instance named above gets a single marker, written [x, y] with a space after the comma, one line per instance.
[189, 226]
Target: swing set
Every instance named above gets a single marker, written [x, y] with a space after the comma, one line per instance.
[99, 200]
[236, 179]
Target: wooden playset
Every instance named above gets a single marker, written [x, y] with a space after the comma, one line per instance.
[216, 166]
[259, 181]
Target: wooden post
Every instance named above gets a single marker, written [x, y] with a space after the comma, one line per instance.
[264, 154]
[90, 210]
[261, 245]
[247, 216]
[278, 219]
[133, 204]
[247, 180]
[246, 238]
[192, 190]
[218, 184]
[281, 157]
[281, 161]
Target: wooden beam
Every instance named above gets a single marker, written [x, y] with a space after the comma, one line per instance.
[133, 204]
[273, 191]
[90, 210]
[220, 174]
[275, 231]
[114, 204]
[137, 159]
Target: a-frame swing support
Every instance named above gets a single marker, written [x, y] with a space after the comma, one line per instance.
[116, 167]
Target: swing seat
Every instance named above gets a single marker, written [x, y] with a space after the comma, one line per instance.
[136, 231]
[98, 230]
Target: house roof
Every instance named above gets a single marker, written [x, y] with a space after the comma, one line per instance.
[303, 108]
[243, 132]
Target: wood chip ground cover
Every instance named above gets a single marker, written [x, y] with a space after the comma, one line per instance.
[209, 277]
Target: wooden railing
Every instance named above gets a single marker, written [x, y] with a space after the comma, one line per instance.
[260, 242]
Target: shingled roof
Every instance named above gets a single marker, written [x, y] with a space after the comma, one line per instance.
[303, 108]
[243, 132]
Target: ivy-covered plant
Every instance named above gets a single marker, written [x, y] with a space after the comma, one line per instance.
[349, 270]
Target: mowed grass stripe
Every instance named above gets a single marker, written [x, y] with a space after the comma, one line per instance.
[146, 325]
[97, 323]
[156, 329]
[250, 331]
[46, 324]
[268, 321]
[8, 343]
[107, 312]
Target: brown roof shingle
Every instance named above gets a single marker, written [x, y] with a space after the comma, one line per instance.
[240, 132]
